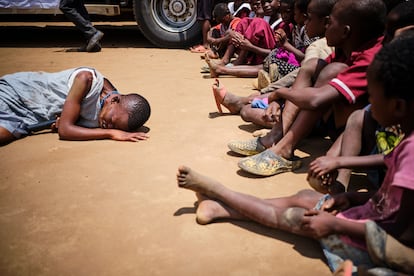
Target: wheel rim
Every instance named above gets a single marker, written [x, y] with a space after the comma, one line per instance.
[174, 15]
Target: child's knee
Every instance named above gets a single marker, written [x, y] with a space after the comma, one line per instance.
[245, 113]
[292, 217]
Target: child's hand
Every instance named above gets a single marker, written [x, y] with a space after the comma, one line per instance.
[55, 126]
[318, 224]
[336, 204]
[272, 113]
[322, 166]
[280, 37]
[120, 135]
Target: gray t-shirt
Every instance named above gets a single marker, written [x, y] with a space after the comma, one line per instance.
[31, 97]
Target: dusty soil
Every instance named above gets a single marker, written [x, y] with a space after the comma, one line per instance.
[113, 208]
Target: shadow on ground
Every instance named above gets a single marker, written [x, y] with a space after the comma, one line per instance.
[116, 36]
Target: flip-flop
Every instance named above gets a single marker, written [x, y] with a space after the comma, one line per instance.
[200, 49]
[246, 148]
[219, 94]
[268, 163]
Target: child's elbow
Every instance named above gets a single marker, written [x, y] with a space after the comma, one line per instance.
[64, 133]
[314, 104]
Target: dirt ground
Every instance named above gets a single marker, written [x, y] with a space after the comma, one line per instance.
[113, 208]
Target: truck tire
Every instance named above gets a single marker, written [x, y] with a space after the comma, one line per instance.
[168, 23]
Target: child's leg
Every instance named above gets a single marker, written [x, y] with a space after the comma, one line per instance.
[232, 102]
[282, 213]
[228, 54]
[255, 116]
[351, 143]
[241, 58]
[358, 139]
[241, 71]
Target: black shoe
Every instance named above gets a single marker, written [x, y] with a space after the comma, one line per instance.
[94, 40]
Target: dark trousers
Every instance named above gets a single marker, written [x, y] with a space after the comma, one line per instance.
[76, 12]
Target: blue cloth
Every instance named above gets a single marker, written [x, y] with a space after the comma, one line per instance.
[258, 103]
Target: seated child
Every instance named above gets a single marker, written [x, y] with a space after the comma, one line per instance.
[87, 105]
[339, 222]
[252, 40]
[220, 35]
[290, 53]
[332, 172]
[239, 8]
[329, 92]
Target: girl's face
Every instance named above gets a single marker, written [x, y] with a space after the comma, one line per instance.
[255, 5]
[382, 108]
[315, 24]
[267, 7]
[286, 12]
[299, 16]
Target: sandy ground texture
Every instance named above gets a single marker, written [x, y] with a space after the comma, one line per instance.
[113, 208]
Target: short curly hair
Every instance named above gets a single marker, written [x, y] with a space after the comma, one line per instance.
[394, 67]
[138, 109]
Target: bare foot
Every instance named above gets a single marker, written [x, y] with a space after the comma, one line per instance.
[214, 65]
[189, 179]
[230, 101]
[206, 210]
[209, 210]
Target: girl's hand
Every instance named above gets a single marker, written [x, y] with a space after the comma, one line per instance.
[120, 135]
[318, 224]
[280, 37]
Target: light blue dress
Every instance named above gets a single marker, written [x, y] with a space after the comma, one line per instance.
[28, 98]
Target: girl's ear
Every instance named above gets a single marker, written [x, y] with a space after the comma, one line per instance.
[347, 30]
[400, 108]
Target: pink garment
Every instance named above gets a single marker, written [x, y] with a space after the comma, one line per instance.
[259, 33]
[384, 206]
[287, 56]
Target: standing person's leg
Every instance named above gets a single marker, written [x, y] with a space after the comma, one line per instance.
[205, 28]
[281, 213]
[76, 12]
[204, 15]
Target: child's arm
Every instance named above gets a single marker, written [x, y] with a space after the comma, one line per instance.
[325, 164]
[298, 53]
[243, 43]
[68, 130]
[320, 224]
